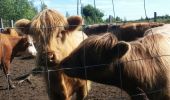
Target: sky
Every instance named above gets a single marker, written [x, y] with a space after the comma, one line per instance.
[125, 9]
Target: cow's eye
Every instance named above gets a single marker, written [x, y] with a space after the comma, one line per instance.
[29, 44]
[59, 35]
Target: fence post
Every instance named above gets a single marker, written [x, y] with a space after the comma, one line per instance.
[77, 7]
[155, 16]
[12, 23]
[110, 18]
[1, 23]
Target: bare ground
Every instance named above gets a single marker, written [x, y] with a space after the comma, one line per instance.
[37, 90]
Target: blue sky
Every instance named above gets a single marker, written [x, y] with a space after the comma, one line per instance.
[126, 9]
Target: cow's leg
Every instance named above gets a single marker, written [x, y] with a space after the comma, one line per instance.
[141, 95]
[6, 70]
[27, 77]
[83, 90]
[11, 85]
[1, 67]
[81, 93]
[8, 75]
[57, 87]
[23, 78]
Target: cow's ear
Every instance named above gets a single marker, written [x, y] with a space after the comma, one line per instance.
[22, 26]
[74, 22]
[120, 49]
[7, 30]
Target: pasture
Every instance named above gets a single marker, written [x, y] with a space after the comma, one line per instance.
[37, 90]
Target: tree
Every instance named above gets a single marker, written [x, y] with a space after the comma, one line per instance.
[167, 16]
[43, 6]
[67, 14]
[113, 20]
[17, 9]
[142, 19]
[92, 15]
[118, 19]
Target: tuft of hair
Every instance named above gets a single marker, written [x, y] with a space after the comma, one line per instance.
[102, 41]
[22, 26]
[47, 24]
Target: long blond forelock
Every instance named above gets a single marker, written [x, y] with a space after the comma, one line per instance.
[46, 25]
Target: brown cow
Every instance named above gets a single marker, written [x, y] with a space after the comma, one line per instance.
[55, 34]
[31, 51]
[10, 46]
[10, 31]
[125, 32]
[165, 29]
[141, 65]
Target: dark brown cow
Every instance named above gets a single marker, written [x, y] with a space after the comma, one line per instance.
[10, 46]
[126, 32]
[142, 65]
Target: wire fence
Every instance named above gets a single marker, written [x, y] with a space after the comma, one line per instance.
[48, 70]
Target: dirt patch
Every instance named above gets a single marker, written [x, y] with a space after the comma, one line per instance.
[37, 90]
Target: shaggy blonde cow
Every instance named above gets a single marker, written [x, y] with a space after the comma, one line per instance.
[56, 37]
[165, 29]
[138, 67]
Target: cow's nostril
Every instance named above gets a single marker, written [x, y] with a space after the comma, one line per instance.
[48, 58]
[51, 57]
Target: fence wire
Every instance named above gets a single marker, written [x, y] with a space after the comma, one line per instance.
[92, 66]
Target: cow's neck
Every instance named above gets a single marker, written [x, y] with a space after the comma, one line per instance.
[64, 48]
[14, 43]
[14, 40]
[72, 42]
[139, 66]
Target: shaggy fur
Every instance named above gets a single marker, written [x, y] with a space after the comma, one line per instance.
[125, 32]
[165, 29]
[57, 37]
[22, 26]
[143, 64]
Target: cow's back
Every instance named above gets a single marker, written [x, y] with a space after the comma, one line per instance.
[5, 47]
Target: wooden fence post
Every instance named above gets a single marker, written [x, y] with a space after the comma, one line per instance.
[155, 16]
[11, 23]
[110, 18]
[1, 23]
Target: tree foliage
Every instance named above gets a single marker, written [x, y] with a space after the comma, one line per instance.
[163, 19]
[92, 15]
[111, 19]
[43, 6]
[17, 9]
